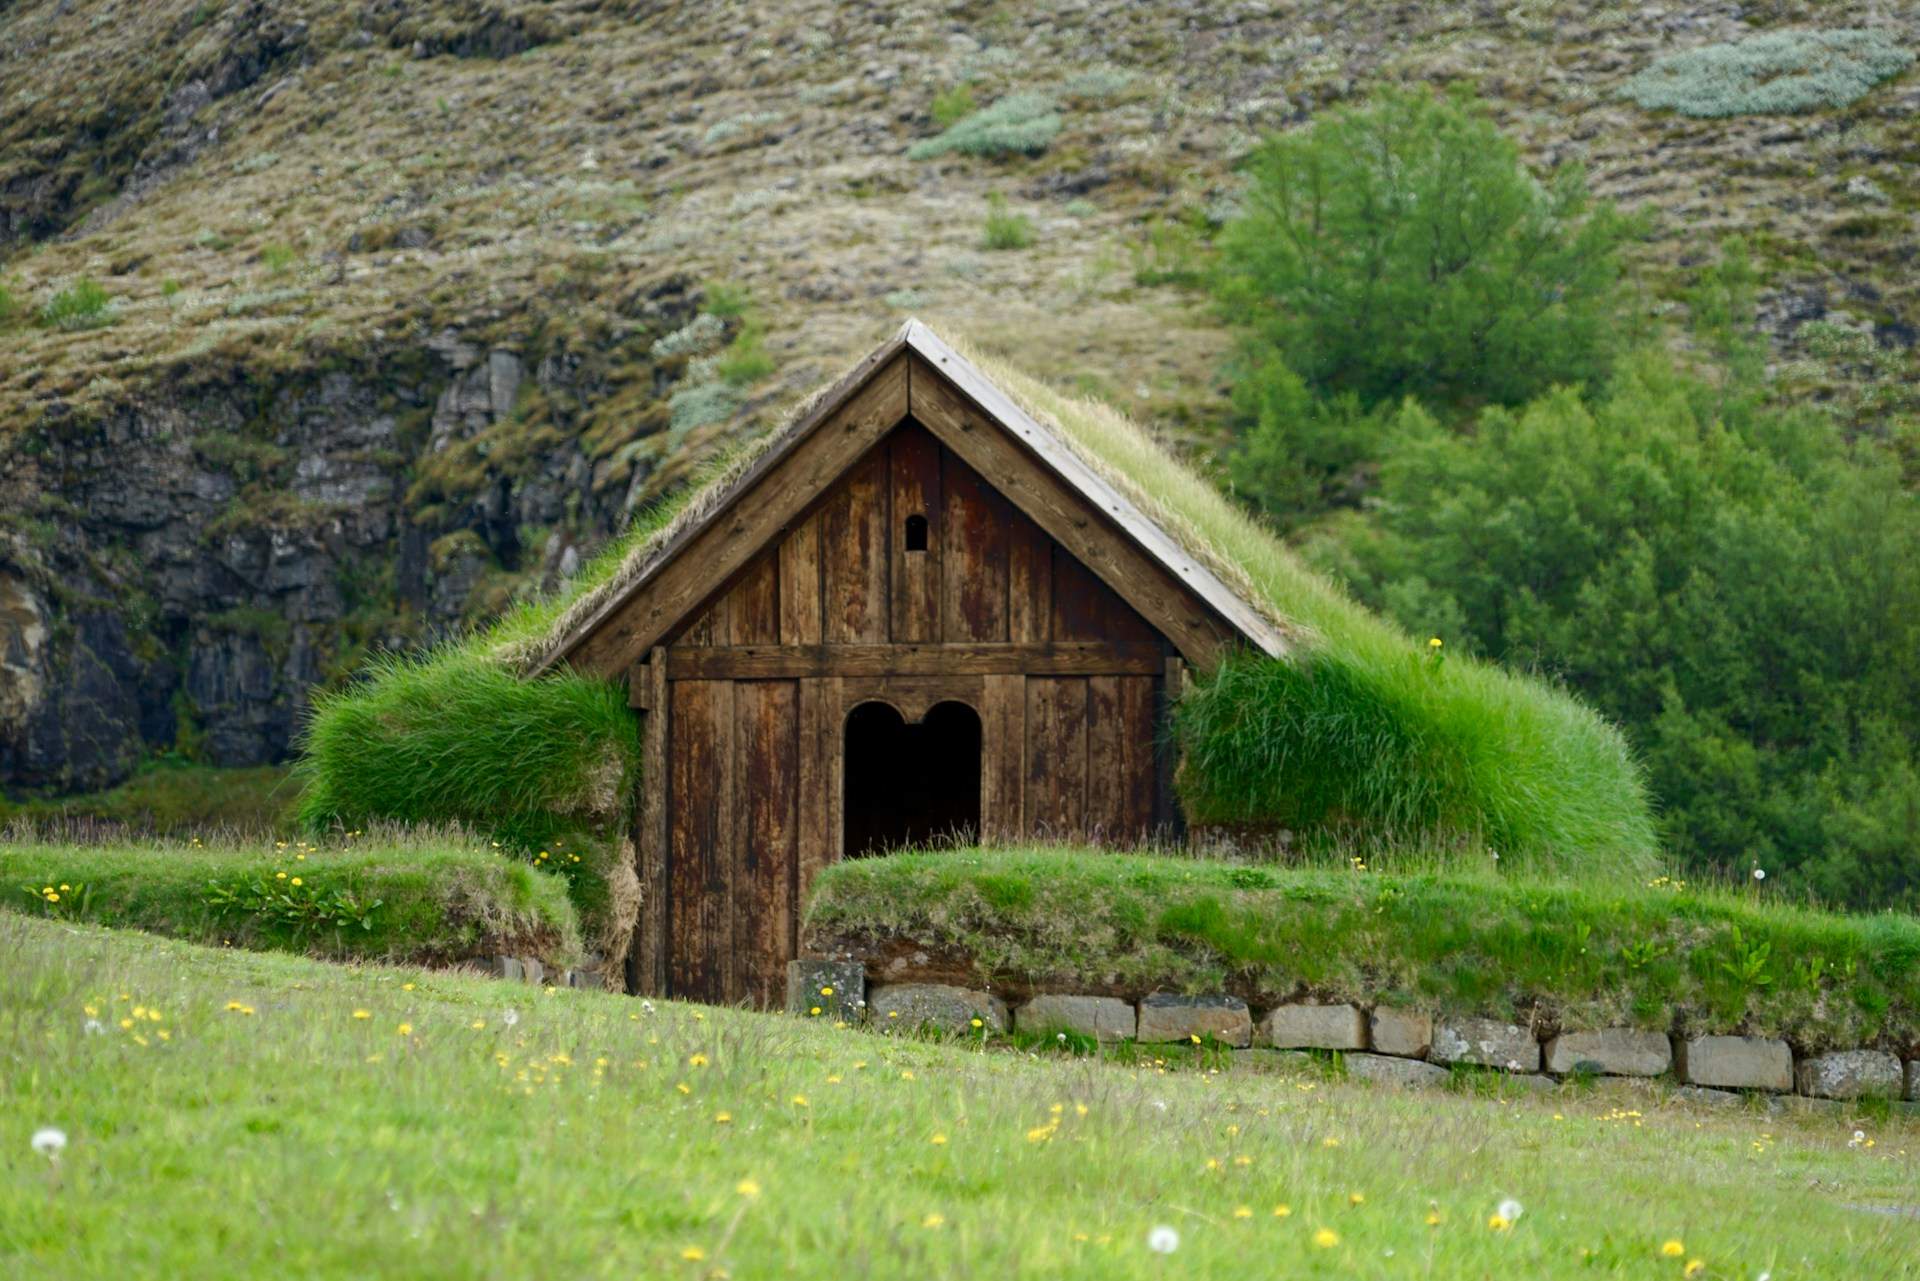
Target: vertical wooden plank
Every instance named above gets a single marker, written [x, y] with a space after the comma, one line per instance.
[720, 956]
[914, 474]
[1106, 761]
[818, 801]
[1055, 788]
[1029, 582]
[766, 746]
[647, 975]
[973, 589]
[1136, 763]
[692, 777]
[853, 552]
[1003, 745]
[800, 584]
[701, 633]
[753, 606]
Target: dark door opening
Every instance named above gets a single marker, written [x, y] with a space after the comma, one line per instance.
[911, 784]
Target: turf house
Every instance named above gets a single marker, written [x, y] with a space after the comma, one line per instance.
[943, 602]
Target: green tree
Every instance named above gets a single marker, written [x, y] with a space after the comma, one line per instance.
[1404, 249]
[1733, 583]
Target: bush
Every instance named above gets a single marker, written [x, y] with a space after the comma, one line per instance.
[408, 897]
[1777, 72]
[1005, 229]
[951, 105]
[81, 305]
[1622, 952]
[1019, 124]
[1403, 249]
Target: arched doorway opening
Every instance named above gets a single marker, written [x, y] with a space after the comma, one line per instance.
[907, 784]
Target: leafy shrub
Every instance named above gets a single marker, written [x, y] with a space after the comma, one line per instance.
[1018, 124]
[81, 305]
[1004, 228]
[1403, 248]
[1777, 72]
[951, 105]
[724, 300]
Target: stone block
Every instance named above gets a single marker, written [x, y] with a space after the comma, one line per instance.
[1487, 1042]
[1314, 1027]
[1850, 1074]
[1402, 1032]
[1613, 1051]
[832, 987]
[1387, 1070]
[1735, 1062]
[1165, 1017]
[1913, 1080]
[1104, 1018]
[508, 967]
[536, 972]
[936, 1005]
[1708, 1096]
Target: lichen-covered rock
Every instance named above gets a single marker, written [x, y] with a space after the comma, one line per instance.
[1389, 1070]
[1486, 1042]
[818, 987]
[1850, 1074]
[1166, 1017]
[1104, 1018]
[1613, 1051]
[1405, 1033]
[1735, 1062]
[1314, 1027]
[935, 1005]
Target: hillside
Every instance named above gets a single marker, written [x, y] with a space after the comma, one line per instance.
[256, 1113]
[381, 289]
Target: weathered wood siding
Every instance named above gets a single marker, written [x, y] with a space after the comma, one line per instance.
[1066, 677]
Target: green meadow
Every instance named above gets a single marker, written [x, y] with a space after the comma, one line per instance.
[239, 1114]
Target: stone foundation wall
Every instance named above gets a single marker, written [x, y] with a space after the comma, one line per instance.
[1399, 1047]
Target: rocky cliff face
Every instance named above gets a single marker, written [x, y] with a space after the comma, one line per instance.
[217, 548]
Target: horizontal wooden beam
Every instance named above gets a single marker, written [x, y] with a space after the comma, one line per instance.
[775, 662]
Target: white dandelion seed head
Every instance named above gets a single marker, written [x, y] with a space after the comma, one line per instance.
[510, 1017]
[646, 1005]
[50, 1141]
[1060, 1037]
[1759, 873]
[1163, 1239]
[1159, 1105]
[93, 1027]
[1511, 1210]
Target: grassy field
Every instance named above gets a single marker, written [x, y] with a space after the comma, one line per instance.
[166, 797]
[241, 1115]
[397, 896]
[1579, 954]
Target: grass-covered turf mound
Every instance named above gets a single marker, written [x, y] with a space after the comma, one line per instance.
[460, 1129]
[546, 766]
[169, 796]
[1574, 956]
[1361, 737]
[417, 897]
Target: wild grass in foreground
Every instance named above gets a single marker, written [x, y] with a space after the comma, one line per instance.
[395, 895]
[1575, 954]
[241, 1115]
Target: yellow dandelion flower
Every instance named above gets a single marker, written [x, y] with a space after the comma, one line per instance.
[1282, 1211]
[1243, 1160]
[975, 1023]
[1326, 1238]
[1356, 1198]
[1498, 1223]
[938, 1140]
[1433, 1218]
[1079, 1109]
[693, 1254]
[363, 1014]
[125, 1024]
[279, 876]
[1329, 1142]
[406, 987]
[906, 1074]
[799, 1100]
[723, 1118]
[826, 991]
[1243, 1212]
[405, 1029]
[91, 1011]
[833, 1078]
[683, 1087]
[1694, 1268]
[1673, 1249]
[747, 1188]
[1040, 1134]
[296, 881]
[933, 1221]
[52, 897]
[696, 1060]
[477, 1024]
[1434, 643]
